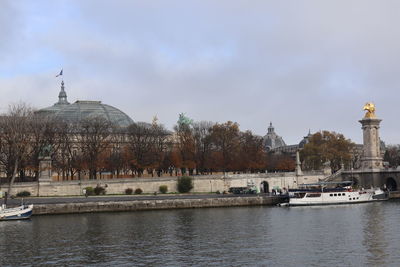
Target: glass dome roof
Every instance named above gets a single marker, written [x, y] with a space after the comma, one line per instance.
[86, 109]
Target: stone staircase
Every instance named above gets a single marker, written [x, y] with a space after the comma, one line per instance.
[333, 176]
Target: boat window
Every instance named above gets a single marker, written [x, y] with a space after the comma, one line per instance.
[335, 195]
[349, 198]
[354, 198]
[313, 195]
[331, 195]
[299, 195]
[357, 197]
[343, 194]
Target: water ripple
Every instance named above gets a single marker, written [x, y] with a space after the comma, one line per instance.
[354, 235]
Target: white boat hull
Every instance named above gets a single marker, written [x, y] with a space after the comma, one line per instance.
[18, 213]
[335, 198]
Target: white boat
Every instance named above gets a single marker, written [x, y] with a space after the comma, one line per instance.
[320, 194]
[17, 213]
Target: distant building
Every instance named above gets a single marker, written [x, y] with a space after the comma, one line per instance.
[275, 144]
[80, 110]
[272, 140]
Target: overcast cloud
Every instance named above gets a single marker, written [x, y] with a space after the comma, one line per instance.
[300, 64]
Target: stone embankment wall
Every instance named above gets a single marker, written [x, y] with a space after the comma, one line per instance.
[138, 205]
[395, 194]
[207, 183]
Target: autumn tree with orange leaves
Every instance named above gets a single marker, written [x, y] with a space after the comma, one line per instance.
[226, 142]
[251, 155]
[324, 147]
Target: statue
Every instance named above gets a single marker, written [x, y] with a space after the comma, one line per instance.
[45, 151]
[370, 108]
[183, 120]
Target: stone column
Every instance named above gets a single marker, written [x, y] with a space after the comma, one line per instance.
[371, 158]
[45, 170]
[298, 164]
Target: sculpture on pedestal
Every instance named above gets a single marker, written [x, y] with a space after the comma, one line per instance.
[371, 158]
[370, 108]
[45, 173]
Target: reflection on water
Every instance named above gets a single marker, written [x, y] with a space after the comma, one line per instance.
[350, 235]
[374, 235]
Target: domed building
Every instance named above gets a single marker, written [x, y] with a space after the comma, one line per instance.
[81, 110]
[275, 143]
[306, 140]
[272, 140]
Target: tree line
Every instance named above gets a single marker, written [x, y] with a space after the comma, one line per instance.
[94, 146]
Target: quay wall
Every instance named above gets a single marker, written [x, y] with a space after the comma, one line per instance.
[140, 205]
[206, 183]
[394, 195]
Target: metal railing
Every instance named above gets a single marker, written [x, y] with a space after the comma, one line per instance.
[333, 175]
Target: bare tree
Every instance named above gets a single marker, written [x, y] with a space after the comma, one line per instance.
[94, 137]
[202, 139]
[146, 146]
[186, 146]
[160, 145]
[15, 140]
[67, 156]
[41, 131]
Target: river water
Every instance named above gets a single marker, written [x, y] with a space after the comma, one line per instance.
[348, 235]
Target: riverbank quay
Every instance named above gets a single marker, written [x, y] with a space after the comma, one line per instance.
[66, 205]
[394, 195]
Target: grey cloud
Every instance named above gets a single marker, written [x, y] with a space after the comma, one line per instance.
[299, 64]
[9, 23]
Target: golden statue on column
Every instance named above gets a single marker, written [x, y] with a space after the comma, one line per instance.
[370, 108]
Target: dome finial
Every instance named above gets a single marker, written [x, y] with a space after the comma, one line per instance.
[270, 128]
[62, 96]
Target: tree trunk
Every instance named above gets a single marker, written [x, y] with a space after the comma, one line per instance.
[11, 182]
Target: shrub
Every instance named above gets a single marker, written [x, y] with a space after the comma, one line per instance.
[89, 191]
[99, 190]
[138, 191]
[129, 191]
[185, 184]
[218, 192]
[24, 194]
[163, 189]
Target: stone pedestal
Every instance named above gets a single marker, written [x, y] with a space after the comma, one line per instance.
[371, 158]
[45, 170]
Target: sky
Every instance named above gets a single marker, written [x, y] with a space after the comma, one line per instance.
[301, 64]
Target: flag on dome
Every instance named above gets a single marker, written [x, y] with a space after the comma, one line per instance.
[61, 73]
